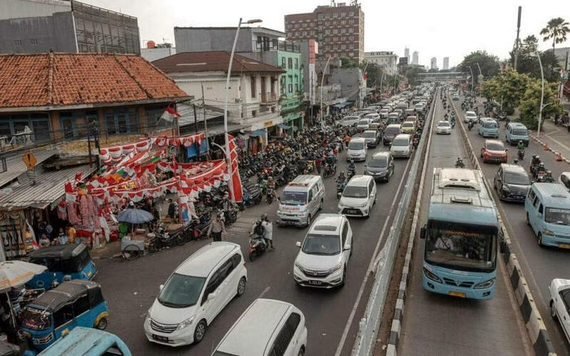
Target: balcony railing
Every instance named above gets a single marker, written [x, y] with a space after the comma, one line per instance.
[268, 98]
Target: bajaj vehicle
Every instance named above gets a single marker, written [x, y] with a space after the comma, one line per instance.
[71, 304]
[64, 263]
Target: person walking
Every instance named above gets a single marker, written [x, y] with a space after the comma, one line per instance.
[318, 164]
[217, 228]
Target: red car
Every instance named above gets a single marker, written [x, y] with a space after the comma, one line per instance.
[494, 151]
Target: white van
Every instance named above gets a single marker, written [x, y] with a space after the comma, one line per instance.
[267, 327]
[547, 207]
[402, 146]
[357, 149]
[197, 291]
[300, 201]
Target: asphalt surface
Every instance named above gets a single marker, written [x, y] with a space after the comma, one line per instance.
[540, 264]
[436, 324]
[332, 316]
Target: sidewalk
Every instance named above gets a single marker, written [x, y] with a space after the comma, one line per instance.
[556, 137]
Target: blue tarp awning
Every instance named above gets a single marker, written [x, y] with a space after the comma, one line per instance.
[257, 133]
[342, 105]
[283, 126]
[192, 150]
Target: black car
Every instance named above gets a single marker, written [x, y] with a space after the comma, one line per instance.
[511, 182]
[390, 132]
[381, 166]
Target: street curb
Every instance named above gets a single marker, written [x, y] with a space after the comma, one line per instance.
[535, 327]
[542, 143]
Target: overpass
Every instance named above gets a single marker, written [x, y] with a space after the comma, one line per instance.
[442, 77]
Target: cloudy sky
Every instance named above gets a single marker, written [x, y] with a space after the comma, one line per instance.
[434, 28]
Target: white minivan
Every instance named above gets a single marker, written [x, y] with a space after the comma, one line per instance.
[402, 146]
[357, 149]
[358, 196]
[268, 327]
[197, 291]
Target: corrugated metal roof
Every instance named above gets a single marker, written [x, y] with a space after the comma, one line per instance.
[16, 166]
[49, 187]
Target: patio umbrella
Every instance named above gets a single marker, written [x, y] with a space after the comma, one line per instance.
[134, 216]
[16, 273]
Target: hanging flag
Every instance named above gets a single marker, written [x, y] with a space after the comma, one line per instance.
[170, 114]
[236, 179]
[365, 76]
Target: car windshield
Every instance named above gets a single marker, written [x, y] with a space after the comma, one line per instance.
[520, 132]
[495, 146]
[369, 134]
[364, 122]
[408, 124]
[325, 245]
[392, 131]
[355, 145]
[293, 198]
[443, 124]
[557, 216]
[490, 125]
[354, 192]
[520, 178]
[400, 141]
[379, 162]
[35, 319]
[470, 114]
[181, 291]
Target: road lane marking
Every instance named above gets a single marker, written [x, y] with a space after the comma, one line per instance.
[264, 292]
[372, 262]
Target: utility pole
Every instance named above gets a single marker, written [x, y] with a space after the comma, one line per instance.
[517, 41]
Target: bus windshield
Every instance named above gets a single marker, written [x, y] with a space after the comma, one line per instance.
[461, 246]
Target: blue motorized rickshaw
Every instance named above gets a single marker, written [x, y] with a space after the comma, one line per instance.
[64, 263]
[60, 310]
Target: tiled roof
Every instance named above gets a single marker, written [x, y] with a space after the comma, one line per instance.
[64, 79]
[212, 61]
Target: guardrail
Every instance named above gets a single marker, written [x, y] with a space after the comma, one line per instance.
[369, 325]
[534, 324]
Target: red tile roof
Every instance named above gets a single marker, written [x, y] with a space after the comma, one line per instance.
[65, 79]
[212, 61]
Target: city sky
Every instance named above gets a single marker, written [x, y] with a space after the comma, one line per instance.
[434, 28]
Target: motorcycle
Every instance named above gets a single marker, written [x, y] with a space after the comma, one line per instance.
[350, 173]
[521, 154]
[269, 195]
[340, 188]
[459, 163]
[330, 170]
[470, 125]
[257, 246]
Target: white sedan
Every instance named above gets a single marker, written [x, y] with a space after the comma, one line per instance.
[443, 127]
[470, 115]
[560, 302]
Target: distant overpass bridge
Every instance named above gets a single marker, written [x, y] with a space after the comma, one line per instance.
[455, 77]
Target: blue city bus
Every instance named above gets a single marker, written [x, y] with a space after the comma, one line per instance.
[461, 236]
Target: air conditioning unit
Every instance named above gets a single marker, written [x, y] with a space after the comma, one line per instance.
[237, 101]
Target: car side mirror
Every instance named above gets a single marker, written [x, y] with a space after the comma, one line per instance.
[160, 287]
[347, 247]
[423, 232]
[298, 243]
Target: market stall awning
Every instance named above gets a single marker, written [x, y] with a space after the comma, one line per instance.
[342, 105]
[283, 126]
[257, 133]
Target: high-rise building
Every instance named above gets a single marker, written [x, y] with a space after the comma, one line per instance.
[445, 63]
[407, 54]
[415, 58]
[339, 30]
[38, 26]
[433, 63]
[385, 60]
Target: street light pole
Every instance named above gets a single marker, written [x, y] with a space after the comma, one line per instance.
[541, 95]
[323, 83]
[226, 134]
[471, 70]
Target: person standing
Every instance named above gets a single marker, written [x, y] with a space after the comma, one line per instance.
[268, 226]
[217, 228]
[318, 164]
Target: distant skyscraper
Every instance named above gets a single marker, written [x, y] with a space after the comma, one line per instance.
[433, 63]
[407, 53]
[445, 62]
[415, 57]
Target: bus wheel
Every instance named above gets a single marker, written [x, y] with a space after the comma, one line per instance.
[527, 220]
[102, 324]
[539, 239]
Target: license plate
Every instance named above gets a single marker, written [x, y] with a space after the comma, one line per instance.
[566, 246]
[315, 283]
[160, 338]
[350, 211]
[457, 294]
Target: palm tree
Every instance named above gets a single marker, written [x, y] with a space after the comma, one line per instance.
[556, 29]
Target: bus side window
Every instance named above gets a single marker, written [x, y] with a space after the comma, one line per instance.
[113, 351]
[540, 209]
[536, 202]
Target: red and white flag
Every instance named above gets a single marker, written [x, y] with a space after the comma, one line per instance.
[169, 114]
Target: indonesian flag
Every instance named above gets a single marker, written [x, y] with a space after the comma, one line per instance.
[170, 114]
[365, 76]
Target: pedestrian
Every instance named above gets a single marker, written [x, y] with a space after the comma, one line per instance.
[318, 164]
[171, 208]
[346, 140]
[217, 228]
[268, 226]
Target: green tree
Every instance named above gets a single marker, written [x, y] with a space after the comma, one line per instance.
[373, 74]
[506, 89]
[346, 62]
[530, 104]
[556, 30]
[489, 65]
[528, 62]
[412, 73]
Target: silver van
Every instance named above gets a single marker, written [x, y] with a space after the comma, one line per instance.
[268, 327]
[300, 201]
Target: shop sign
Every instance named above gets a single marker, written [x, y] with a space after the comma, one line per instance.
[268, 123]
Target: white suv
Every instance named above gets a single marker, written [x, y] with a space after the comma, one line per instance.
[358, 196]
[323, 258]
[197, 291]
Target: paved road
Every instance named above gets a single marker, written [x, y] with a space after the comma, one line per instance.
[332, 315]
[540, 265]
[436, 324]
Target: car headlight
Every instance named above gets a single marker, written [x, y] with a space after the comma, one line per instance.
[547, 232]
[431, 276]
[298, 265]
[186, 323]
[335, 268]
[486, 284]
[362, 205]
[147, 319]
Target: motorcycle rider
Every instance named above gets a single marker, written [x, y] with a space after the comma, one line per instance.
[259, 230]
[341, 179]
[534, 163]
[470, 124]
[548, 177]
[520, 148]
[539, 170]
[351, 168]
[459, 163]
[270, 187]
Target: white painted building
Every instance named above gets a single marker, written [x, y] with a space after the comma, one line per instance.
[386, 60]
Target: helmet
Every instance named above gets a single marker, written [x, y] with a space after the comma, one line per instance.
[541, 165]
[521, 141]
[533, 156]
[537, 157]
[351, 161]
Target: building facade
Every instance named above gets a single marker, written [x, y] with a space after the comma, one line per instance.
[386, 60]
[352, 84]
[445, 63]
[407, 54]
[415, 58]
[263, 45]
[38, 26]
[433, 63]
[338, 29]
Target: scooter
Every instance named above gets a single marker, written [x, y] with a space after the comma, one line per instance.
[339, 189]
[269, 195]
[470, 125]
[257, 246]
[521, 154]
[459, 163]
